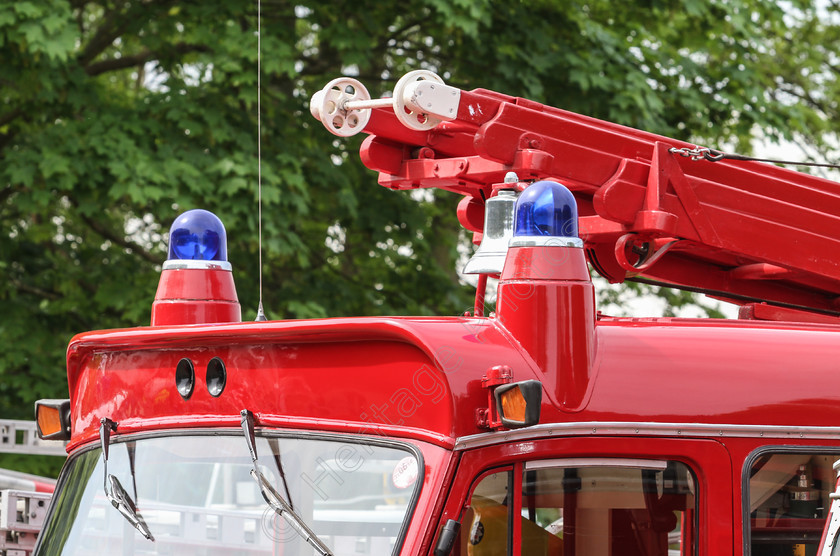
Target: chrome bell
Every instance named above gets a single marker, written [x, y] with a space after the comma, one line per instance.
[498, 230]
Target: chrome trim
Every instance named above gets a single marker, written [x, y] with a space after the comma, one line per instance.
[499, 214]
[545, 241]
[173, 264]
[624, 428]
[657, 464]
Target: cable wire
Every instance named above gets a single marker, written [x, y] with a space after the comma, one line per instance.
[260, 313]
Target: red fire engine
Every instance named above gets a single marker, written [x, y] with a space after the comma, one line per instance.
[541, 428]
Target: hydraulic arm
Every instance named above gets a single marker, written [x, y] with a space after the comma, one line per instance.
[650, 206]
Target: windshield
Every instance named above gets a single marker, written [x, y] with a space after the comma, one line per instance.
[197, 497]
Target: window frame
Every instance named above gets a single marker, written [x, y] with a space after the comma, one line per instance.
[511, 471]
[750, 461]
[613, 463]
[267, 433]
[708, 459]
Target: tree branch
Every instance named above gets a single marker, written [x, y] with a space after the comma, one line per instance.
[117, 240]
[113, 64]
[105, 35]
[796, 90]
[23, 286]
[114, 25]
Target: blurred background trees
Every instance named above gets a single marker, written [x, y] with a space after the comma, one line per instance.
[117, 115]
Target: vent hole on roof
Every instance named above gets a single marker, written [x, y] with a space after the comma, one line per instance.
[216, 377]
[185, 378]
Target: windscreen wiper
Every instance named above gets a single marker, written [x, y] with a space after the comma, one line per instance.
[114, 491]
[280, 506]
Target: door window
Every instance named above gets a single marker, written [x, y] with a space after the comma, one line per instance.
[584, 507]
[486, 525]
[788, 501]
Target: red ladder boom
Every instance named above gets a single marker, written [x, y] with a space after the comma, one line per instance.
[739, 229]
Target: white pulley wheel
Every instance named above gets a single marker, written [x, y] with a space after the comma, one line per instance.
[405, 106]
[328, 105]
[315, 104]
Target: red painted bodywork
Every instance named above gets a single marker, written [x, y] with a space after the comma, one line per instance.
[547, 302]
[707, 393]
[420, 377]
[745, 228]
[195, 296]
[419, 380]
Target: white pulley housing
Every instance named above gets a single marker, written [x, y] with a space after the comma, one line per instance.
[330, 106]
[416, 99]
[421, 101]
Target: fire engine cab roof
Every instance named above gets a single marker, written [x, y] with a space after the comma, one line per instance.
[421, 377]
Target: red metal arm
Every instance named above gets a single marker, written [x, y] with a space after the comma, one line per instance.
[744, 229]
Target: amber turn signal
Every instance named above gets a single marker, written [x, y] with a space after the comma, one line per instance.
[513, 404]
[519, 403]
[53, 418]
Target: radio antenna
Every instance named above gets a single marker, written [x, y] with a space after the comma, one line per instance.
[260, 313]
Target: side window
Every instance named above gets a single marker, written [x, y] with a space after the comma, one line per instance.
[788, 501]
[609, 507]
[568, 507]
[486, 525]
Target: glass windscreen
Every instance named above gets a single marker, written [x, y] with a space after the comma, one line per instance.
[196, 496]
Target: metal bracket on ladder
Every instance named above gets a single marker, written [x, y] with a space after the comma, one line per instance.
[21, 519]
[21, 437]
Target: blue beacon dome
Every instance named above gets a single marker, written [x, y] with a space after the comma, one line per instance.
[198, 235]
[546, 214]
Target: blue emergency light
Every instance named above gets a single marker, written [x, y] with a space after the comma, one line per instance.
[198, 235]
[546, 214]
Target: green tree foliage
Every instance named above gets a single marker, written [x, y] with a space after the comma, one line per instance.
[116, 115]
